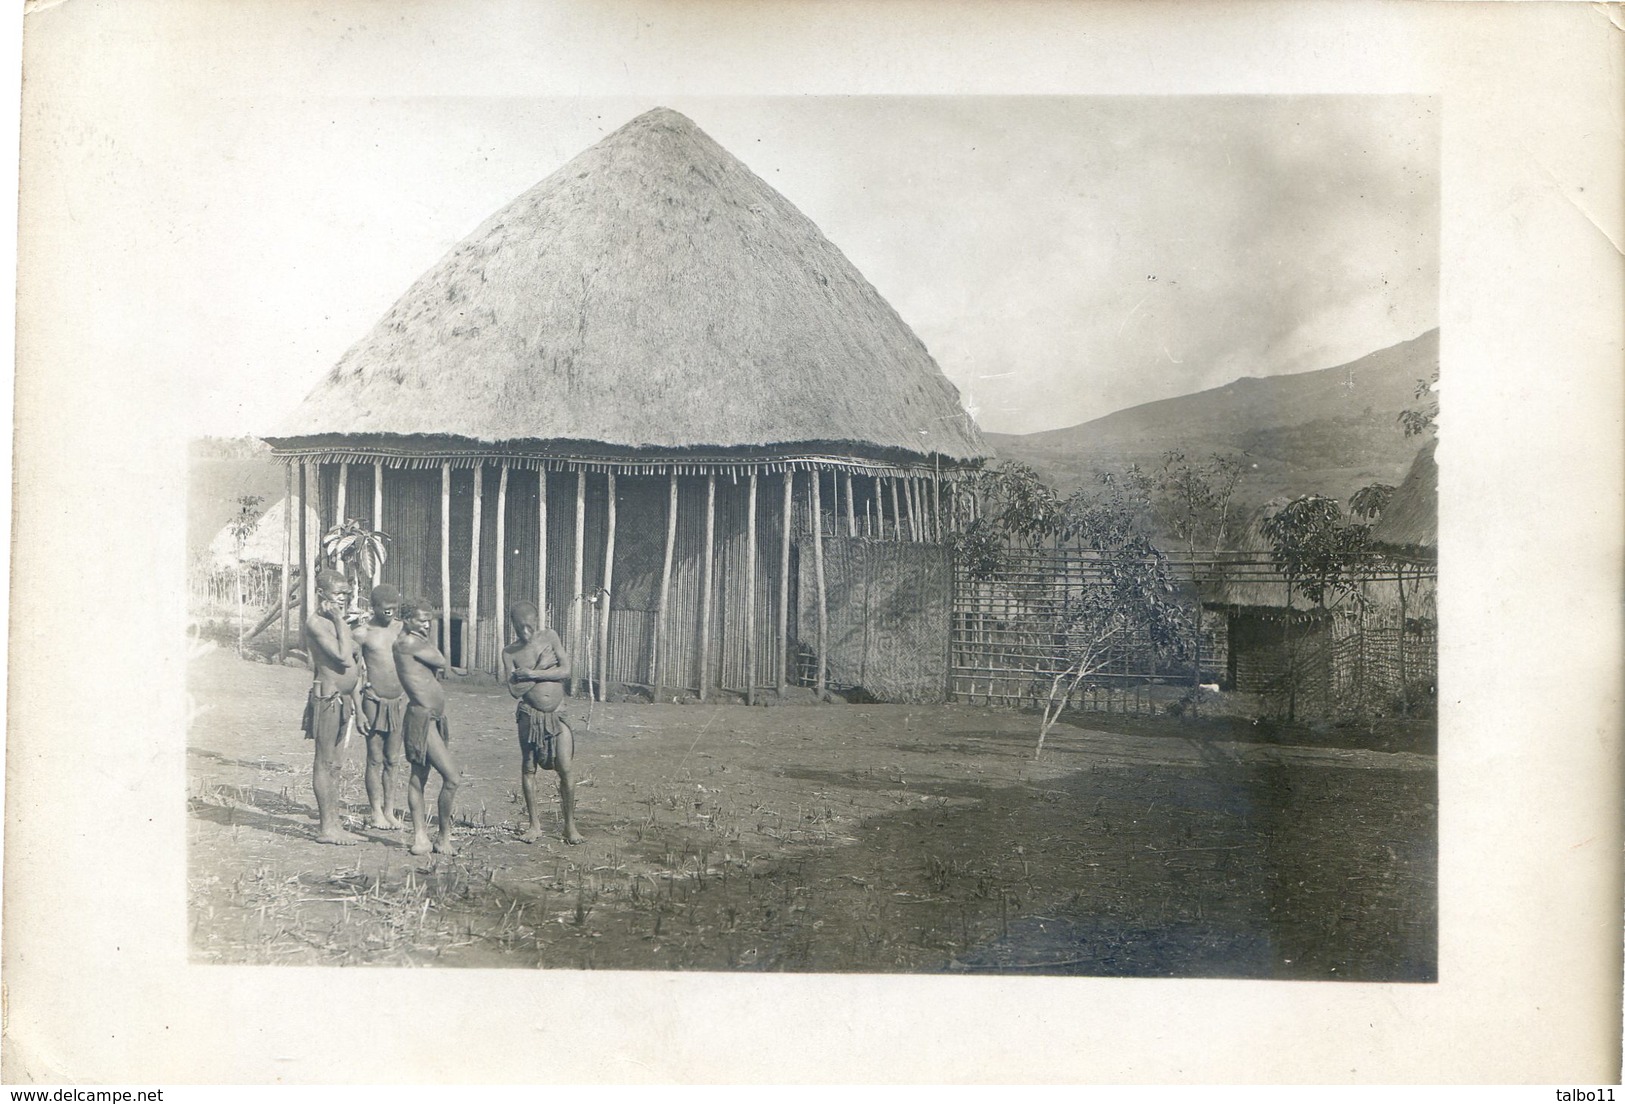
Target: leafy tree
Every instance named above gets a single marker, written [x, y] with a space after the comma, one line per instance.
[1316, 548]
[1423, 417]
[1130, 591]
[1192, 503]
[1319, 552]
[357, 551]
[1192, 499]
[1370, 501]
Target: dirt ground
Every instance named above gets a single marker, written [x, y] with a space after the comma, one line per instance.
[828, 838]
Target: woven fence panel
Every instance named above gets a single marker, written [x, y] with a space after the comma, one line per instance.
[888, 610]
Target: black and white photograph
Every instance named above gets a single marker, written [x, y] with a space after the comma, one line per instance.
[1091, 632]
[738, 547]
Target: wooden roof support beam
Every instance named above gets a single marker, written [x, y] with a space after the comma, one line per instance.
[606, 592]
[750, 595]
[706, 580]
[287, 557]
[823, 606]
[445, 561]
[541, 548]
[665, 591]
[577, 644]
[784, 586]
[471, 623]
[501, 564]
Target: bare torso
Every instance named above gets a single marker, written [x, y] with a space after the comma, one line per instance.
[333, 651]
[540, 652]
[378, 652]
[416, 661]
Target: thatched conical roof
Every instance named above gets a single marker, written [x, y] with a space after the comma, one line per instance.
[1247, 582]
[1409, 526]
[652, 294]
[264, 544]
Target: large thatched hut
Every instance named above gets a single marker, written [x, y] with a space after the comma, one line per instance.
[627, 396]
[1408, 529]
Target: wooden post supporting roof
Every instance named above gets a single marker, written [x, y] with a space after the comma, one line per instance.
[471, 636]
[936, 506]
[705, 581]
[605, 593]
[577, 645]
[896, 510]
[851, 511]
[445, 560]
[750, 595]
[818, 571]
[339, 503]
[541, 549]
[784, 585]
[306, 560]
[287, 558]
[655, 670]
[502, 558]
[378, 494]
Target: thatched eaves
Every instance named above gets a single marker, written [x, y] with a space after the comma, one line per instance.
[1409, 526]
[652, 295]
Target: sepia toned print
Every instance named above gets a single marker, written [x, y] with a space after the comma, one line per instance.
[833, 677]
[1247, 222]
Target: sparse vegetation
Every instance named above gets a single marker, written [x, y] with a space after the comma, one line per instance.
[870, 839]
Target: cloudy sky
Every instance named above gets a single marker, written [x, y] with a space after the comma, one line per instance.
[1062, 257]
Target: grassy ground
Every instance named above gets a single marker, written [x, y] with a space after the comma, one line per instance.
[829, 838]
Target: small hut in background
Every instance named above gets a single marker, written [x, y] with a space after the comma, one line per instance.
[633, 396]
[1375, 649]
[1265, 637]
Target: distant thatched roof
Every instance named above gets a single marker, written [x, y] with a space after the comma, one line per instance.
[1409, 526]
[264, 544]
[1248, 581]
[652, 294]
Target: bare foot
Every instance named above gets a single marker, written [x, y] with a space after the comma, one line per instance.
[445, 846]
[384, 823]
[573, 836]
[531, 834]
[422, 846]
[338, 837]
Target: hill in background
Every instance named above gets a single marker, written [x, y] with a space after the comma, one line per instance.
[1330, 431]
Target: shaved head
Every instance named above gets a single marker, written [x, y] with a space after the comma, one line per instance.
[524, 613]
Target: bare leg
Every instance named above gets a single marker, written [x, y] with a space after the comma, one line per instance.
[527, 784]
[324, 779]
[415, 803]
[567, 787]
[384, 753]
[394, 757]
[441, 759]
[374, 776]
